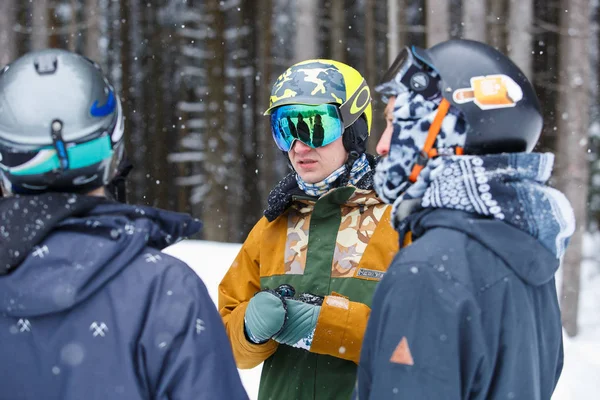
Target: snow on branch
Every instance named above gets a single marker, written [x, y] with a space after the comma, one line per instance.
[190, 156]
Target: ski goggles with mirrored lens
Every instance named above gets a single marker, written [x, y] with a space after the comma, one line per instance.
[314, 126]
[408, 74]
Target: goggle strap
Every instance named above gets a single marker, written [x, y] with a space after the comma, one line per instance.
[434, 129]
[356, 104]
[59, 144]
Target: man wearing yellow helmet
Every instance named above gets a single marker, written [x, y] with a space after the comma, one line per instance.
[298, 294]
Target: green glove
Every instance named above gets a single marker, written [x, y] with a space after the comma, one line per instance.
[265, 316]
[299, 328]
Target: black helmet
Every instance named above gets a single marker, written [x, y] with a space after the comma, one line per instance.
[61, 124]
[495, 97]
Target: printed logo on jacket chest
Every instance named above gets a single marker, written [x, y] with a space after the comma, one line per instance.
[369, 274]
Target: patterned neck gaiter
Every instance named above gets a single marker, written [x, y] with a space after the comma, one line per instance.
[507, 187]
[412, 117]
[359, 169]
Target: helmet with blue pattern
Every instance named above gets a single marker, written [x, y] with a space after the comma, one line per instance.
[61, 124]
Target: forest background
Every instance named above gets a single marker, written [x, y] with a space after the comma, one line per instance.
[195, 77]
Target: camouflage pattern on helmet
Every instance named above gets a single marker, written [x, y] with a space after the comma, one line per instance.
[311, 83]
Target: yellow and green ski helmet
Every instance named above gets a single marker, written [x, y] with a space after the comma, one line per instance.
[321, 81]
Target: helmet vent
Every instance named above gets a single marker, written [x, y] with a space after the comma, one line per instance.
[46, 64]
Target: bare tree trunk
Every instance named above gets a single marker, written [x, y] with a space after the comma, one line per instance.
[7, 33]
[133, 93]
[396, 28]
[572, 142]
[393, 30]
[39, 24]
[520, 40]
[437, 21]
[72, 35]
[156, 108]
[307, 21]
[266, 158]
[215, 212]
[337, 36]
[594, 49]
[474, 17]
[497, 24]
[370, 74]
[545, 65]
[92, 34]
[114, 68]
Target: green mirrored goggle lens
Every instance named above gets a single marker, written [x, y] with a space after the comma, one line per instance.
[315, 126]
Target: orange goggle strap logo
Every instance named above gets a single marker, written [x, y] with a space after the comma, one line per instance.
[428, 150]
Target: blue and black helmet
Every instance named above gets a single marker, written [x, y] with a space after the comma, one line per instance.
[61, 124]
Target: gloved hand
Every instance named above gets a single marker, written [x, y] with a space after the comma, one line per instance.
[299, 329]
[265, 316]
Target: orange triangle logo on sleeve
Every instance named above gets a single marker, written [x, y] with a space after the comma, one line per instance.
[401, 354]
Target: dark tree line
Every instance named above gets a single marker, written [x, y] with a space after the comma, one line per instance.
[195, 76]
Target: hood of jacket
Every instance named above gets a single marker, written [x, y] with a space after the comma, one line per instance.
[523, 253]
[56, 250]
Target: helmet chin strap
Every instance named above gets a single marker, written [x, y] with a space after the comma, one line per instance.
[429, 151]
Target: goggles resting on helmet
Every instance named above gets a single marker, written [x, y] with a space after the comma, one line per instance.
[408, 74]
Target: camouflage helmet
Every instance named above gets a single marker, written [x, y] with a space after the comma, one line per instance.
[321, 81]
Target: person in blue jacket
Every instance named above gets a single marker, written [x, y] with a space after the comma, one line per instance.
[90, 308]
[468, 308]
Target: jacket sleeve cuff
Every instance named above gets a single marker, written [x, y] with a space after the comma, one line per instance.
[340, 328]
[247, 354]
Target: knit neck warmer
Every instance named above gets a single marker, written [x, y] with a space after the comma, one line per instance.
[507, 187]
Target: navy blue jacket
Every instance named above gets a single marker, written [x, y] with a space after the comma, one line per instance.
[468, 311]
[91, 309]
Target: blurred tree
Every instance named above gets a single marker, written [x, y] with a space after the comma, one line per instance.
[438, 21]
[73, 28]
[396, 26]
[7, 31]
[497, 20]
[337, 38]
[266, 173]
[415, 23]
[306, 18]
[39, 24]
[520, 41]
[545, 66]
[92, 15]
[370, 54]
[475, 19]
[572, 171]
[218, 153]
[133, 93]
[594, 45]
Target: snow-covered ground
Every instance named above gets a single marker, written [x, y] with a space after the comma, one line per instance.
[580, 379]
[581, 375]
